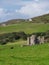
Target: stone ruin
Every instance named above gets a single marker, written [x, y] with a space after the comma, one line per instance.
[30, 40]
[37, 38]
[33, 39]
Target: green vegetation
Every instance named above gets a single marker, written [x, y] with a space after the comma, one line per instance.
[28, 55]
[12, 37]
[13, 53]
[38, 24]
[26, 27]
[41, 19]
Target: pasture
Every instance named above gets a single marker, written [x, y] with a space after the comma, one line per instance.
[26, 27]
[28, 55]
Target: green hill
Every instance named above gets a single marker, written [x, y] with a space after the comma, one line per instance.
[13, 21]
[41, 19]
[38, 19]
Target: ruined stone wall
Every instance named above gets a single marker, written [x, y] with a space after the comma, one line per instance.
[28, 40]
[41, 39]
[32, 40]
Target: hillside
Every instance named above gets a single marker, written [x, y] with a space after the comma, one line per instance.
[13, 21]
[41, 19]
[26, 27]
[38, 19]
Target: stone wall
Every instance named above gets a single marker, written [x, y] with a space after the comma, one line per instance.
[41, 39]
[28, 40]
[32, 40]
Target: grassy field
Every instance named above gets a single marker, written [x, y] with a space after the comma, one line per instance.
[28, 55]
[26, 27]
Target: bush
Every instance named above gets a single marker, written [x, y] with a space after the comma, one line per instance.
[3, 42]
[11, 37]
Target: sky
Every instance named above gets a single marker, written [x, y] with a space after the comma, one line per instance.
[22, 9]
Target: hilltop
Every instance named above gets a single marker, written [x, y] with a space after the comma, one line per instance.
[13, 21]
[43, 19]
[38, 19]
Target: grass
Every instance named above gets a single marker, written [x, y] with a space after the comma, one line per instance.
[26, 27]
[28, 55]
[33, 55]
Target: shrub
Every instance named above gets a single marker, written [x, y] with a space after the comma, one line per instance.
[3, 42]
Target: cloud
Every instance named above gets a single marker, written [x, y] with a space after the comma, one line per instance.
[10, 9]
[36, 0]
[4, 14]
[34, 8]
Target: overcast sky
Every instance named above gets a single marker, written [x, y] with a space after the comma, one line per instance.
[11, 9]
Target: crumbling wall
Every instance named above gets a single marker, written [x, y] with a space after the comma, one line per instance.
[41, 39]
[32, 40]
[28, 40]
